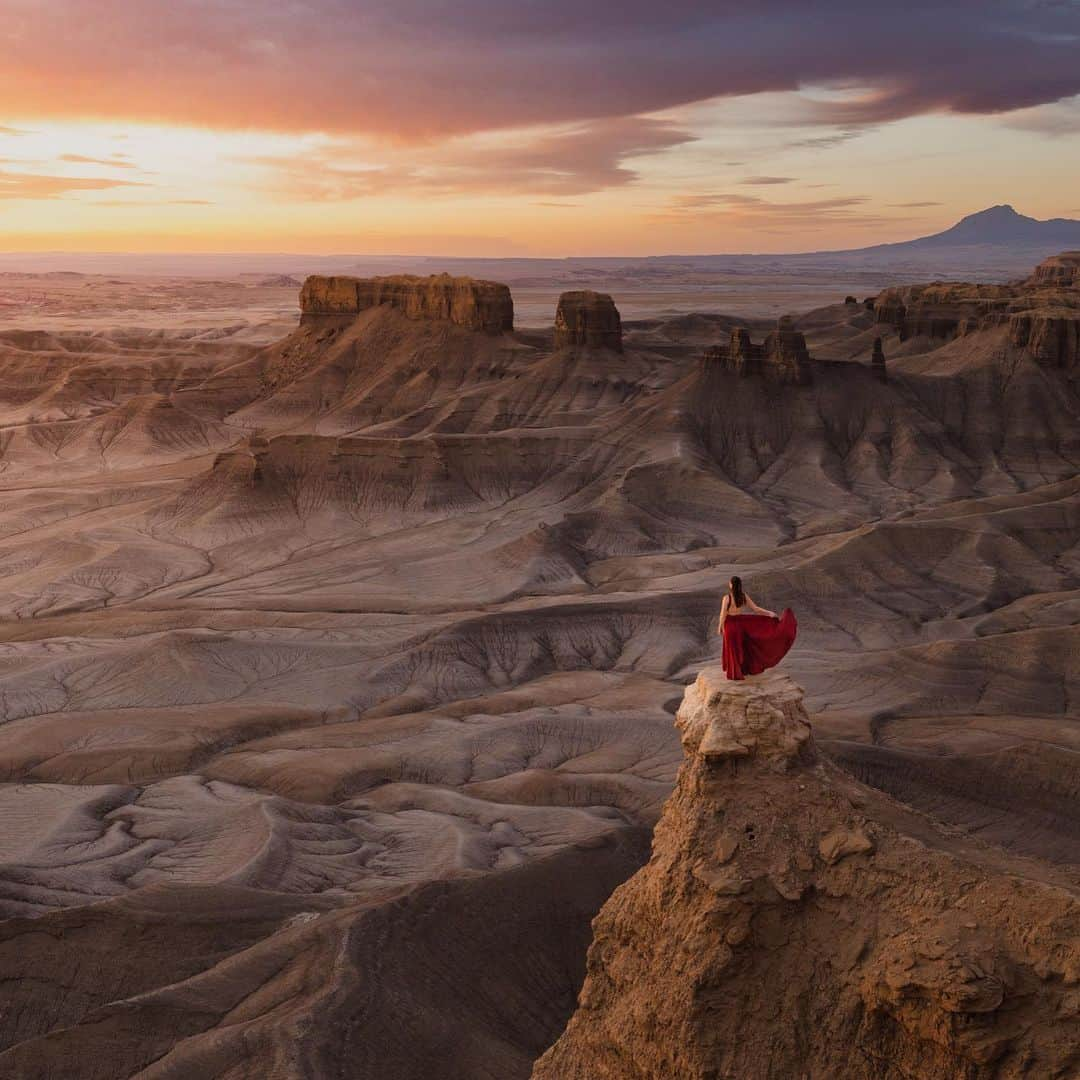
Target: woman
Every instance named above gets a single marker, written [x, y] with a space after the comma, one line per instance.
[754, 638]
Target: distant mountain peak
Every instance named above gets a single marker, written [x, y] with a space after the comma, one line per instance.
[1001, 225]
[1001, 210]
[1002, 214]
[998, 237]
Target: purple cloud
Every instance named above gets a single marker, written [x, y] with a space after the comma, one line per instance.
[425, 68]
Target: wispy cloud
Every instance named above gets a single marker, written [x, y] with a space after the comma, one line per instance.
[734, 208]
[767, 181]
[1059, 118]
[825, 142]
[39, 186]
[81, 159]
[574, 161]
[134, 203]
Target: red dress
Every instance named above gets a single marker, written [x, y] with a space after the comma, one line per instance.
[753, 643]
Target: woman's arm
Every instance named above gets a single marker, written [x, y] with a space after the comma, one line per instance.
[760, 610]
[723, 614]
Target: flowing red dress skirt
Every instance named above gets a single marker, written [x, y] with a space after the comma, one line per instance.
[753, 643]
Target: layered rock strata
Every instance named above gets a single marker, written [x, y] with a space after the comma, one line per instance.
[784, 927]
[476, 305]
[588, 318]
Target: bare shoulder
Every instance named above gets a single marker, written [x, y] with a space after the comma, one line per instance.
[726, 602]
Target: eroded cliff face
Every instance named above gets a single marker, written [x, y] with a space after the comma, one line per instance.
[1041, 313]
[588, 318]
[476, 305]
[786, 927]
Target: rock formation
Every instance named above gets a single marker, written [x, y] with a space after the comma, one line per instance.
[1042, 313]
[786, 927]
[781, 357]
[476, 305]
[588, 318]
[877, 360]
[786, 355]
[1051, 337]
[1059, 270]
[942, 310]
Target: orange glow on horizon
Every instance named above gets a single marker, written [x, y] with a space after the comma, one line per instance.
[683, 182]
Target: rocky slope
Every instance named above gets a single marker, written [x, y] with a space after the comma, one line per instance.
[787, 926]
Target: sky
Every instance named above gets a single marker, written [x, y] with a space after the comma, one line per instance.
[528, 127]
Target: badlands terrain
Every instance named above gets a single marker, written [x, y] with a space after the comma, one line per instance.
[339, 655]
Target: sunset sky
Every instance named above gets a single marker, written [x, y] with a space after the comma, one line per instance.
[520, 127]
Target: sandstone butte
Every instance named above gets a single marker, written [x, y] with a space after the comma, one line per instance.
[1042, 313]
[588, 318]
[475, 305]
[790, 925]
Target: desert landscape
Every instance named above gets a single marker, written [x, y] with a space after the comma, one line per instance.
[339, 667]
[539, 541]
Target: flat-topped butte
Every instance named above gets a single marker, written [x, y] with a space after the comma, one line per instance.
[475, 305]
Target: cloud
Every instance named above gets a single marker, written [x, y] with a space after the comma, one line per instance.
[420, 69]
[14, 132]
[37, 186]
[914, 205]
[735, 208]
[766, 181]
[1059, 118]
[82, 159]
[825, 142]
[129, 203]
[568, 162]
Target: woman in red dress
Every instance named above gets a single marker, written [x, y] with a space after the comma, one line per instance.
[754, 638]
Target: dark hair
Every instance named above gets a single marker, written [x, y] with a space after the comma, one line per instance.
[737, 593]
